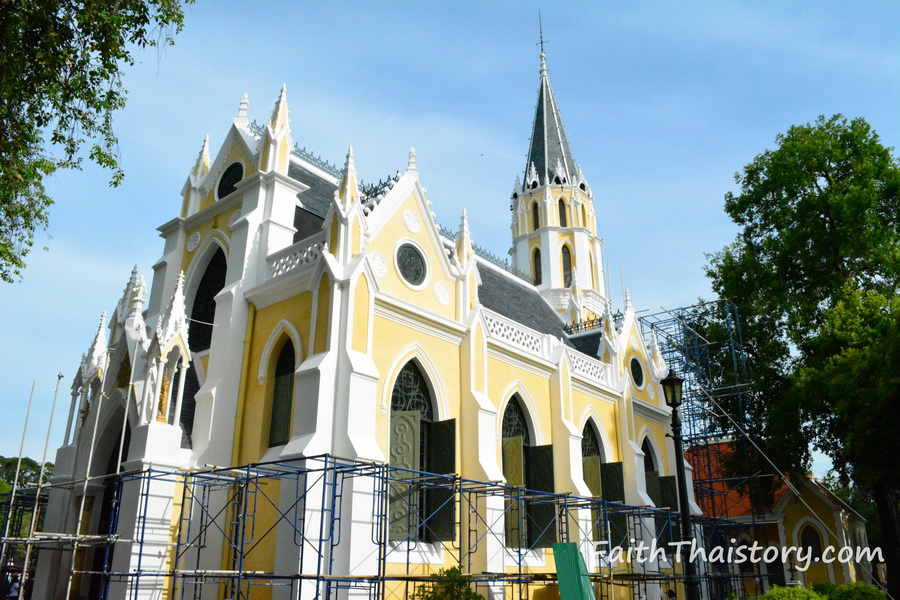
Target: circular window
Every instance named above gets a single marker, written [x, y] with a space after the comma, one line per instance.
[637, 372]
[411, 264]
[230, 177]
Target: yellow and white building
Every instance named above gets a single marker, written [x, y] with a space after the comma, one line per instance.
[296, 313]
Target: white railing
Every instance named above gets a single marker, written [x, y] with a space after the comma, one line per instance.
[500, 327]
[295, 256]
[590, 368]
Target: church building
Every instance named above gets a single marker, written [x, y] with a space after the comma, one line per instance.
[318, 376]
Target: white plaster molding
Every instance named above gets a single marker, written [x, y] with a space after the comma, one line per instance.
[378, 264]
[530, 409]
[283, 326]
[442, 293]
[416, 353]
[193, 241]
[411, 221]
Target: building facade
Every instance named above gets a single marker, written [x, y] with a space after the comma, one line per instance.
[298, 316]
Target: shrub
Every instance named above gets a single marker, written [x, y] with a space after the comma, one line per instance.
[791, 593]
[857, 591]
[449, 584]
[825, 588]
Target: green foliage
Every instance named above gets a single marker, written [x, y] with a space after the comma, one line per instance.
[857, 591]
[61, 68]
[824, 588]
[860, 500]
[449, 584]
[29, 472]
[777, 592]
[816, 273]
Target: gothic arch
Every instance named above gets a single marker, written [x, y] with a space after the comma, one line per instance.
[567, 263]
[536, 266]
[516, 389]
[592, 420]
[655, 455]
[215, 240]
[283, 329]
[563, 209]
[432, 379]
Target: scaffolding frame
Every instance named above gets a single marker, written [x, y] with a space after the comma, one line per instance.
[229, 502]
[703, 344]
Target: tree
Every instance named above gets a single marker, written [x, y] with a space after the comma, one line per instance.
[816, 273]
[61, 64]
[29, 472]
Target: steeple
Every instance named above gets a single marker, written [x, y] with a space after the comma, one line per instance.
[549, 152]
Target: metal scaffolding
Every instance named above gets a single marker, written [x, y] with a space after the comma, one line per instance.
[703, 344]
[241, 509]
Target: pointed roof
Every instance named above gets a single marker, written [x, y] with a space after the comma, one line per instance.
[549, 152]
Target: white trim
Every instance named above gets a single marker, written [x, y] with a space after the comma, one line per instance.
[415, 352]
[518, 388]
[824, 537]
[591, 416]
[646, 434]
[215, 240]
[282, 326]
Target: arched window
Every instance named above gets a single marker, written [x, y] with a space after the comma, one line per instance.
[203, 312]
[418, 443]
[649, 456]
[563, 222]
[811, 540]
[535, 216]
[567, 266]
[528, 524]
[591, 458]
[537, 267]
[282, 396]
[203, 315]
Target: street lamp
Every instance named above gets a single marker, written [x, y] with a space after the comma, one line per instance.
[672, 388]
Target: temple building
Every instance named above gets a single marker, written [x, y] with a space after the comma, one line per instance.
[322, 393]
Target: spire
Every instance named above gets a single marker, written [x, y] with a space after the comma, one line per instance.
[280, 113]
[549, 150]
[201, 166]
[348, 189]
[94, 362]
[412, 166]
[241, 118]
[174, 320]
[463, 240]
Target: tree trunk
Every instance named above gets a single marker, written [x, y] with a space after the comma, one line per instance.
[888, 503]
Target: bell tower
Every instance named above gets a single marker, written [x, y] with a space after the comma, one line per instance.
[554, 226]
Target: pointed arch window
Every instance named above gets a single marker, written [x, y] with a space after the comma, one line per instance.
[810, 538]
[567, 266]
[282, 396]
[418, 443]
[203, 315]
[563, 220]
[538, 279]
[203, 311]
[529, 523]
[535, 216]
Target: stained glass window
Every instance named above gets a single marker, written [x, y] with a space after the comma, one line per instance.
[411, 264]
[411, 393]
[514, 423]
[563, 222]
[538, 278]
[203, 312]
[590, 444]
[637, 372]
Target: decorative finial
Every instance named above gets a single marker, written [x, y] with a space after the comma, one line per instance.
[411, 166]
[628, 305]
[541, 30]
[241, 118]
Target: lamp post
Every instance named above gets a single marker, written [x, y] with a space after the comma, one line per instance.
[672, 389]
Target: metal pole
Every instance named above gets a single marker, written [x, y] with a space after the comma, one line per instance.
[40, 485]
[691, 580]
[12, 495]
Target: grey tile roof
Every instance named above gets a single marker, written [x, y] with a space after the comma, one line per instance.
[318, 197]
[518, 301]
[588, 343]
[549, 142]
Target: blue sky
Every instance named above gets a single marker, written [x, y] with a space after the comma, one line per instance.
[662, 103]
